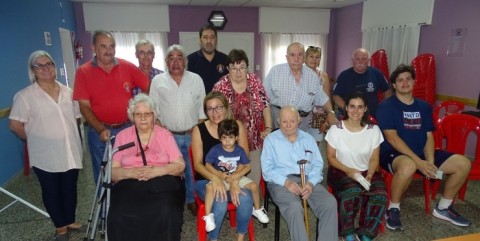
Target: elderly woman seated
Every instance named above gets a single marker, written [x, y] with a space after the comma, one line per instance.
[148, 195]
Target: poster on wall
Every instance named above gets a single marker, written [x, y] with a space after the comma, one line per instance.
[457, 42]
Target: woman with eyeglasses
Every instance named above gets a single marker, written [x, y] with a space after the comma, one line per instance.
[148, 196]
[204, 137]
[44, 115]
[318, 122]
[249, 103]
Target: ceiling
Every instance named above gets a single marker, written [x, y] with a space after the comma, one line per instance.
[240, 3]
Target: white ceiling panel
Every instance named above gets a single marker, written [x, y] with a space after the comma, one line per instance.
[241, 3]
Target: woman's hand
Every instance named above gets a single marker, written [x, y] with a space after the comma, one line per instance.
[219, 190]
[369, 177]
[235, 192]
[324, 127]
[265, 132]
[351, 173]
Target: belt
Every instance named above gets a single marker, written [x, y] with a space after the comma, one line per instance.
[300, 112]
[181, 133]
[116, 125]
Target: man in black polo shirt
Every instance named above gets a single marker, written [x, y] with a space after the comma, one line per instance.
[207, 62]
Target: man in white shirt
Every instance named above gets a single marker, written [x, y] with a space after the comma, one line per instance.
[179, 96]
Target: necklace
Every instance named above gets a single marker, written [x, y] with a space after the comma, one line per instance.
[146, 146]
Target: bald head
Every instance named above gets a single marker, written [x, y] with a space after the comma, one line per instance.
[288, 120]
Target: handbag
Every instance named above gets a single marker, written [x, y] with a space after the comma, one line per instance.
[319, 116]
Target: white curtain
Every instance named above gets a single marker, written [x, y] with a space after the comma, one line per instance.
[274, 46]
[400, 43]
[126, 41]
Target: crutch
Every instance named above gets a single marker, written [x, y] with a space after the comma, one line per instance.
[302, 163]
[101, 201]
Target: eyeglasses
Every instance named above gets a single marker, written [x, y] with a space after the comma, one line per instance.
[143, 115]
[48, 65]
[173, 59]
[241, 69]
[148, 53]
[216, 109]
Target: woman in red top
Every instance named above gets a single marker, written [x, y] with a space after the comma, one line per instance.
[249, 104]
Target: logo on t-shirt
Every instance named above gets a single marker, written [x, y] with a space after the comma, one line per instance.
[220, 68]
[228, 164]
[412, 120]
[126, 87]
[370, 87]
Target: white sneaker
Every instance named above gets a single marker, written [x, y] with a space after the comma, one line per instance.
[261, 215]
[209, 222]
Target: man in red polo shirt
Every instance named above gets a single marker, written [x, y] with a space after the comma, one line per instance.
[103, 87]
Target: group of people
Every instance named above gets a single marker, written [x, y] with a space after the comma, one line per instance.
[207, 101]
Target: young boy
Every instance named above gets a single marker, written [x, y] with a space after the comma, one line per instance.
[230, 162]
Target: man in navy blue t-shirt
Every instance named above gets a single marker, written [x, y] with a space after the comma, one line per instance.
[208, 62]
[407, 125]
[363, 78]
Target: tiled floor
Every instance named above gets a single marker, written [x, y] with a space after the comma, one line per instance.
[20, 223]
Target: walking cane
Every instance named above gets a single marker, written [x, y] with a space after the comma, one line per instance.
[302, 163]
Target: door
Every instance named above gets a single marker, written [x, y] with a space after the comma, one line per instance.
[68, 68]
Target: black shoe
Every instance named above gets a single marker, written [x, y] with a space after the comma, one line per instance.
[193, 208]
[61, 237]
[393, 219]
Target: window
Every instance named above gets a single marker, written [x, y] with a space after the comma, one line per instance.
[126, 41]
[275, 45]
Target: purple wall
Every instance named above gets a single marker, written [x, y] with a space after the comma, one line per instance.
[345, 36]
[456, 76]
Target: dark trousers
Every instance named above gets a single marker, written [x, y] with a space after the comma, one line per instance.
[147, 210]
[59, 195]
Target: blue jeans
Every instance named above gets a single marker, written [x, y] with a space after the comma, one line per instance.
[183, 143]
[97, 148]
[219, 209]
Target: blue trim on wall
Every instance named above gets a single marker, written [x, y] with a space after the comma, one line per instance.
[23, 23]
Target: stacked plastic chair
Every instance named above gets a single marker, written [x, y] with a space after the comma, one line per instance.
[379, 61]
[426, 78]
[443, 109]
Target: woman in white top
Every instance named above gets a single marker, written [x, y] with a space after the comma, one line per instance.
[353, 154]
[44, 115]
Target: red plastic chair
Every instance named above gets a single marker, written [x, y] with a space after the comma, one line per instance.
[426, 78]
[231, 209]
[456, 128]
[379, 61]
[387, 177]
[443, 109]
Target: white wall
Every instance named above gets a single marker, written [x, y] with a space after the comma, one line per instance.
[126, 17]
[294, 20]
[386, 13]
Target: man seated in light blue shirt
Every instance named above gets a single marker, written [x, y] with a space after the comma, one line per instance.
[281, 151]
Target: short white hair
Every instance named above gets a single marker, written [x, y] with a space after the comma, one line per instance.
[141, 98]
